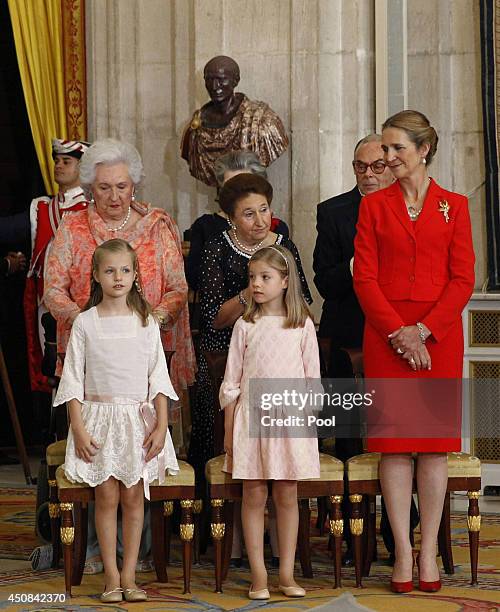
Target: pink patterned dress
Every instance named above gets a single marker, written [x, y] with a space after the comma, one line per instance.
[263, 350]
[156, 241]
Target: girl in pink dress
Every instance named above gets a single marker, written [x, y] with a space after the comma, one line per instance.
[116, 383]
[274, 339]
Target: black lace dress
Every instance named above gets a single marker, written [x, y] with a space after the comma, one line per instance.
[223, 274]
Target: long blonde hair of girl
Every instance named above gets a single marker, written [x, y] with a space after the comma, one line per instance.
[297, 310]
[135, 297]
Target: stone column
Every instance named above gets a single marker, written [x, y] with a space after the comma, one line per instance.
[444, 71]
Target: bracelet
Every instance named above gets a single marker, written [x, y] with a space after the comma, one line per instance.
[241, 299]
[163, 321]
[421, 332]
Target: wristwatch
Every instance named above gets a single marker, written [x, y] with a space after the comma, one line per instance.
[421, 332]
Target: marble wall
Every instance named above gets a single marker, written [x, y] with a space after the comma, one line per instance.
[444, 71]
[312, 61]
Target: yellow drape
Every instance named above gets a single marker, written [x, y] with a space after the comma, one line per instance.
[37, 27]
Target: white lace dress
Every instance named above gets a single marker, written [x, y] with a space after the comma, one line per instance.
[116, 367]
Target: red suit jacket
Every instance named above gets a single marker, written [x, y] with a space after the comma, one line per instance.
[427, 260]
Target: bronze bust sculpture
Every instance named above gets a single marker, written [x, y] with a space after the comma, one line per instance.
[229, 122]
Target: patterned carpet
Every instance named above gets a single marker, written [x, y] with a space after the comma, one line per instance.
[17, 520]
[17, 532]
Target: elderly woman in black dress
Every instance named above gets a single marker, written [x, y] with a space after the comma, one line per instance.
[210, 224]
[246, 199]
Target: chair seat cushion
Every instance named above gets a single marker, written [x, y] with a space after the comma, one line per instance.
[214, 473]
[365, 467]
[185, 477]
[463, 465]
[56, 452]
[64, 483]
[331, 468]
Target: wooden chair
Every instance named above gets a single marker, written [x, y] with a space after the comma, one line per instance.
[223, 488]
[355, 356]
[464, 474]
[73, 504]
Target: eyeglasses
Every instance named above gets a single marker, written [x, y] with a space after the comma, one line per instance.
[377, 166]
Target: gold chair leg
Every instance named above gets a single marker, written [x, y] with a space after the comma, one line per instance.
[55, 520]
[217, 528]
[474, 527]
[356, 526]
[197, 508]
[67, 538]
[187, 532]
[337, 529]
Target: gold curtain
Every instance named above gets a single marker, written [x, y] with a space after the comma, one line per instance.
[37, 27]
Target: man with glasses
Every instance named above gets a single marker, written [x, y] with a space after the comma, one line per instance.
[342, 319]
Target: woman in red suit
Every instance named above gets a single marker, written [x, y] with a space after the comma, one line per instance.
[413, 275]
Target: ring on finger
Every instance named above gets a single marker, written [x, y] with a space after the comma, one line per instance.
[399, 351]
[412, 360]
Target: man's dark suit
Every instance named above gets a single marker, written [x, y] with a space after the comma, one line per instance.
[342, 319]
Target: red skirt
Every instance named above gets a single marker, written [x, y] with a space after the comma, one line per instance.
[426, 405]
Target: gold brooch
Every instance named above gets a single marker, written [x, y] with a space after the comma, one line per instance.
[444, 208]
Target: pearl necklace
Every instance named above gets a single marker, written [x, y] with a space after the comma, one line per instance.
[413, 212]
[243, 247]
[120, 227]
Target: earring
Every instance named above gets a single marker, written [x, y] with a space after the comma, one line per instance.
[424, 161]
[137, 286]
[133, 196]
[92, 201]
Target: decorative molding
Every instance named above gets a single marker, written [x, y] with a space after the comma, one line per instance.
[75, 77]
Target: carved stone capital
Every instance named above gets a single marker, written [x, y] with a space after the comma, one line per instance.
[473, 494]
[355, 499]
[198, 506]
[168, 508]
[216, 503]
[187, 503]
[66, 506]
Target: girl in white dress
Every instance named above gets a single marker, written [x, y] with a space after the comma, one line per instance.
[275, 338]
[116, 383]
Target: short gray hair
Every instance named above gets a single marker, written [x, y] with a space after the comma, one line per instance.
[246, 161]
[109, 151]
[366, 140]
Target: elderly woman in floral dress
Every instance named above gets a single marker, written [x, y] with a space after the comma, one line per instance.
[110, 170]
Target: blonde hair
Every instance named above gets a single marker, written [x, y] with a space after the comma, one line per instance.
[297, 310]
[135, 298]
[417, 128]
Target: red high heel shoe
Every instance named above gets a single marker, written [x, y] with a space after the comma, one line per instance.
[426, 586]
[403, 587]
